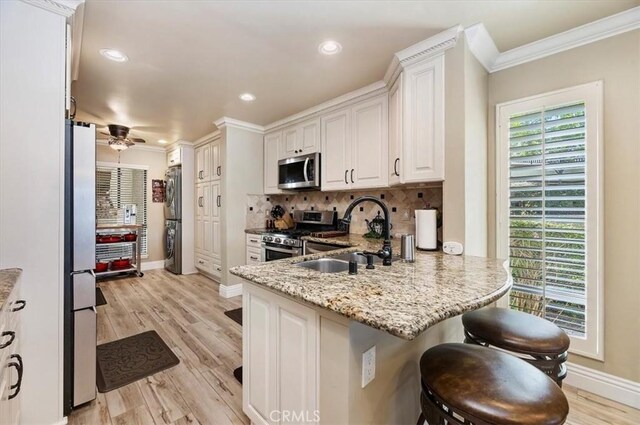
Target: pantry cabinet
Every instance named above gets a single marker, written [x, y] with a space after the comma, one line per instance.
[203, 163]
[355, 146]
[300, 139]
[416, 124]
[272, 147]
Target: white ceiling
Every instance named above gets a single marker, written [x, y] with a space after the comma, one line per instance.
[189, 60]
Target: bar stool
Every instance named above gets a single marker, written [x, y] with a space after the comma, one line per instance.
[468, 384]
[532, 338]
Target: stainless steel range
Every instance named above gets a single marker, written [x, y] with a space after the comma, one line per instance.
[278, 244]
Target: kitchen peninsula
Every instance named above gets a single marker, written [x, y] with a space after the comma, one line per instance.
[305, 332]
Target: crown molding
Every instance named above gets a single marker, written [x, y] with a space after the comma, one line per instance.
[137, 147]
[64, 8]
[598, 30]
[243, 125]
[178, 144]
[425, 49]
[341, 101]
[481, 45]
[211, 137]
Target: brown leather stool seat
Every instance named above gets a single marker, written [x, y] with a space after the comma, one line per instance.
[535, 339]
[470, 384]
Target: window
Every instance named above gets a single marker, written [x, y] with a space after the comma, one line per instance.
[549, 222]
[118, 185]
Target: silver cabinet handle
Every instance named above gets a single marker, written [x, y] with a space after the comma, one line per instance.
[21, 305]
[253, 257]
[200, 201]
[219, 201]
[345, 176]
[20, 369]
[219, 269]
[395, 167]
[219, 170]
[352, 176]
[253, 240]
[200, 262]
[304, 170]
[11, 335]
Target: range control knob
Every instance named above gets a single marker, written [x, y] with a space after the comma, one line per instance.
[268, 238]
[278, 240]
[289, 242]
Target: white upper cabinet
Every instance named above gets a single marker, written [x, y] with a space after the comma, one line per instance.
[272, 143]
[369, 152]
[335, 161]
[300, 139]
[416, 123]
[354, 146]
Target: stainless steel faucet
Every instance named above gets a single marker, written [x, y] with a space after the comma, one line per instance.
[386, 252]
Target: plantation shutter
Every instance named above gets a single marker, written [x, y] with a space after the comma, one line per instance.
[117, 186]
[547, 214]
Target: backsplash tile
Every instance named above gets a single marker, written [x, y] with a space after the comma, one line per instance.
[402, 202]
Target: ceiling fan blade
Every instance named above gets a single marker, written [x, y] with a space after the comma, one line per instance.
[137, 140]
[106, 134]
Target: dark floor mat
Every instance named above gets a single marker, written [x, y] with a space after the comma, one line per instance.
[237, 373]
[129, 359]
[235, 315]
[100, 299]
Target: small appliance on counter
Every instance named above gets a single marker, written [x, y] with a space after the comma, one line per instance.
[427, 229]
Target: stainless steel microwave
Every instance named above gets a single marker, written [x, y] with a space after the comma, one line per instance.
[300, 172]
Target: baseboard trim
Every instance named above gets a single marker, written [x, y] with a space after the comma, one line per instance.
[228, 291]
[152, 265]
[608, 386]
[62, 421]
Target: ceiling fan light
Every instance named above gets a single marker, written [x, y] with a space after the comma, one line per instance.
[118, 144]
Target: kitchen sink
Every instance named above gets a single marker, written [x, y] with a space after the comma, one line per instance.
[326, 265]
[360, 258]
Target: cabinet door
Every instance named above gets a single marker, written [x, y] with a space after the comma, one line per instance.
[203, 163]
[216, 239]
[336, 150]
[423, 122]
[216, 200]
[295, 353]
[199, 235]
[207, 237]
[216, 161]
[271, 156]
[395, 132]
[309, 137]
[370, 144]
[290, 145]
[258, 389]
[206, 201]
[199, 200]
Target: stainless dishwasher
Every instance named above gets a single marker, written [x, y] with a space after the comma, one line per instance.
[318, 247]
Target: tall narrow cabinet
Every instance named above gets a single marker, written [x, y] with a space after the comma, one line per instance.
[229, 166]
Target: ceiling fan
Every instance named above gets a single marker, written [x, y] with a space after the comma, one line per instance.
[119, 137]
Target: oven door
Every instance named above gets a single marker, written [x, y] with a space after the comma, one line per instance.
[301, 172]
[271, 252]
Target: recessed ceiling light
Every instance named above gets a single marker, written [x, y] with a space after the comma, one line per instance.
[329, 47]
[114, 55]
[247, 97]
[162, 141]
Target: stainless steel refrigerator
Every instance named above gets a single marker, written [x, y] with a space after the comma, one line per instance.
[79, 261]
[173, 220]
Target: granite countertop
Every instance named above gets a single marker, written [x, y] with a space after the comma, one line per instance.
[256, 231]
[8, 279]
[403, 299]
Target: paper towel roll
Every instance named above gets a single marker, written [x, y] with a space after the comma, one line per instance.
[427, 229]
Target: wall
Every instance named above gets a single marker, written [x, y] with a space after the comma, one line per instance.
[616, 61]
[464, 188]
[32, 76]
[157, 163]
[401, 203]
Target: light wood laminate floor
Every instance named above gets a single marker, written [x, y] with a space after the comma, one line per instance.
[188, 314]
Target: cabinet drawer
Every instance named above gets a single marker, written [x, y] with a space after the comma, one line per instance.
[204, 263]
[217, 268]
[254, 241]
[254, 255]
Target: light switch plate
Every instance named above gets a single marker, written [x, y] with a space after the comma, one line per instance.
[368, 366]
[452, 248]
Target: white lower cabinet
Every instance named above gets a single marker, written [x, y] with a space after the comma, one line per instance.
[207, 228]
[10, 358]
[280, 340]
[254, 249]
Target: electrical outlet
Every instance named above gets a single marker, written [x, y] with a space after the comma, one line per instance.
[368, 366]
